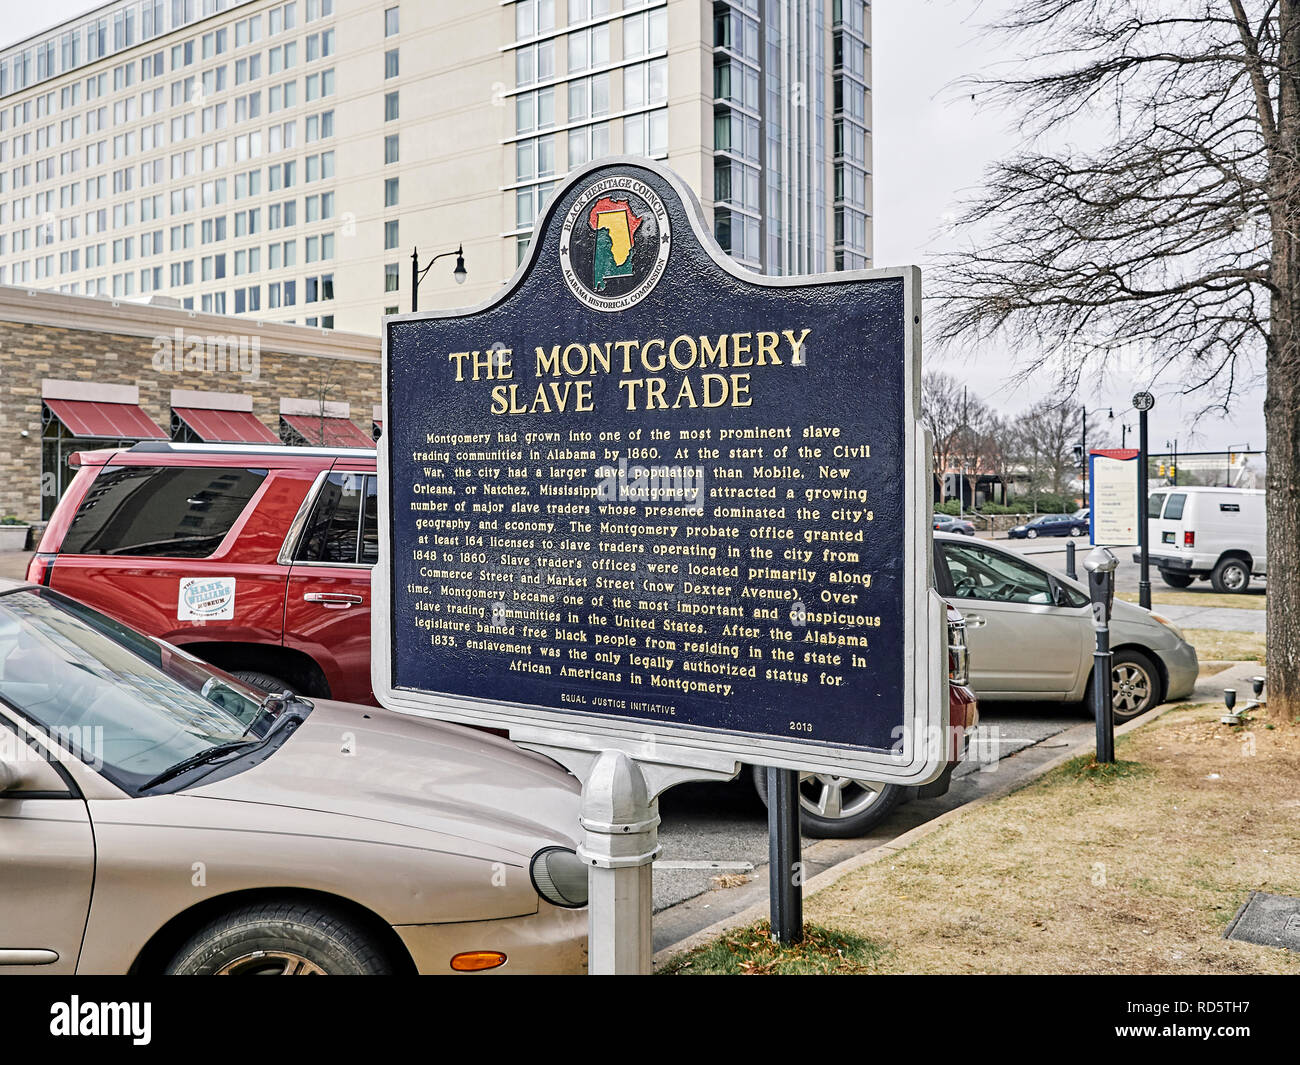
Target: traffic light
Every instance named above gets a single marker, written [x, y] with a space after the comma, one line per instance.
[1160, 470]
[1172, 470]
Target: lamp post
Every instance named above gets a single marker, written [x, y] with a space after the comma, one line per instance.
[1143, 402]
[417, 274]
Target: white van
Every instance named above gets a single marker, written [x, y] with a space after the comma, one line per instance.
[1215, 533]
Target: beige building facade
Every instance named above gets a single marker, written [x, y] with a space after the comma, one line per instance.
[278, 161]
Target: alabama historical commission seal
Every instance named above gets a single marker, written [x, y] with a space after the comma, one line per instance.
[614, 244]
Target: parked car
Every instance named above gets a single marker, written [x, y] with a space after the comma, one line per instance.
[1050, 525]
[257, 560]
[832, 807]
[159, 816]
[1031, 637]
[1207, 533]
[947, 523]
[254, 558]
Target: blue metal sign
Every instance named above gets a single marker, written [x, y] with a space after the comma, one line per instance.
[647, 497]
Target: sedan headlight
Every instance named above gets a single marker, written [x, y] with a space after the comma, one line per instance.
[559, 877]
[1170, 626]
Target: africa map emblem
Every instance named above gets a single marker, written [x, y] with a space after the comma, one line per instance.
[614, 244]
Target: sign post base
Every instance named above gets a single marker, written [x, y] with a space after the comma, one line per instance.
[620, 823]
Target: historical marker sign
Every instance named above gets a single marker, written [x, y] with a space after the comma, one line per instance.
[645, 499]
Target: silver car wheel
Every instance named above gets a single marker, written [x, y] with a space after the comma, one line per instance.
[1234, 578]
[1031, 534]
[271, 963]
[831, 796]
[1130, 689]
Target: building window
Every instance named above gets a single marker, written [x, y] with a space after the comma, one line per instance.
[390, 148]
[390, 63]
[390, 192]
[392, 277]
[392, 21]
[390, 107]
[390, 235]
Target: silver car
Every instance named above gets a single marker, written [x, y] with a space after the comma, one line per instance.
[1030, 633]
[158, 816]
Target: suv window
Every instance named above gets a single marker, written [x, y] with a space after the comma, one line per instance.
[1174, 508]
[160, 511]
[343, 527]
[978, 573]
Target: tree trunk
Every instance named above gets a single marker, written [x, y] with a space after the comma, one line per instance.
[1282, 398]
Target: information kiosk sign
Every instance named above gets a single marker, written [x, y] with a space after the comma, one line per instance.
[645, 500]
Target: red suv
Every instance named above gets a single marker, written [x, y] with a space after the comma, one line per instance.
[256, 559]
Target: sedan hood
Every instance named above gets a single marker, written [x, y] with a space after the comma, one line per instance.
[415, 773]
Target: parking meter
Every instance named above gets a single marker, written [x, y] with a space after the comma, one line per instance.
[1100, 564]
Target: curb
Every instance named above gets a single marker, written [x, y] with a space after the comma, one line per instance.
[829, 876]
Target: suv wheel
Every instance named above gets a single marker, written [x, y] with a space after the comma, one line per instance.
[833, 807]
[1230, 575]
[1176, 580]
[280, 939]
[265, 681]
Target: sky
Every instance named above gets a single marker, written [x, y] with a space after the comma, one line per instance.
[931, 144]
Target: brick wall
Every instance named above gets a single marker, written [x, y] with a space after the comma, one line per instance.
[30, 352]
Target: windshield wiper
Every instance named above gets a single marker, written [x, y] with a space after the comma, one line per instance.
[197, 759]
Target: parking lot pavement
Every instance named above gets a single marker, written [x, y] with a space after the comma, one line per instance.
[720, 830]
[13, 564]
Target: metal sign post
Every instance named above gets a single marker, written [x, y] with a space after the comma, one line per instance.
[658, 517]
[1100, 564]
[785, 873]
[1143, 402]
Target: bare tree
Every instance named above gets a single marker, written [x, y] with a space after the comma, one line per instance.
[1056, 427]
[1178, 232]
[942, 412]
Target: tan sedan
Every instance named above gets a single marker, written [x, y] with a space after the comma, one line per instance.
[158, 816]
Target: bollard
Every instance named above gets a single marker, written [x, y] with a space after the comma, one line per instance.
[1069, 561]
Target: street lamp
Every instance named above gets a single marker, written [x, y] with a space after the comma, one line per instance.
[417, 274]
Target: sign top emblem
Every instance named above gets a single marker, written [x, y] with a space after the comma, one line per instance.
[614, 243]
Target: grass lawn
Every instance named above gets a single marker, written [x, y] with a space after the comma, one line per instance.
[1212, 644]
[1174, 597]
[1136, 868]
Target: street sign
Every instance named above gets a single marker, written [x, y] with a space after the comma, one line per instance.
[1114, 515]
[645, 500]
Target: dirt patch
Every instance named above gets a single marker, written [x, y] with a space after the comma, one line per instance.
[1130, 871]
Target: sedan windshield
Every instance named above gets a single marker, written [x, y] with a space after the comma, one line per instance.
[127, 705]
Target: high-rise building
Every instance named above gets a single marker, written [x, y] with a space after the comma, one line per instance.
[279, 160]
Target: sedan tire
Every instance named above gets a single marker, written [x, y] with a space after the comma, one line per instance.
[1135, 686]
[837, 807]
[280, 939]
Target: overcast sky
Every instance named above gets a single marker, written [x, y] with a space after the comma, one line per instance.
[931, 145]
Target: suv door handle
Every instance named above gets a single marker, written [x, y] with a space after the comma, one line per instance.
[333, 600]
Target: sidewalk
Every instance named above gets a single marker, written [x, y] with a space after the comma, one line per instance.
[13, 564]
[1137, 868]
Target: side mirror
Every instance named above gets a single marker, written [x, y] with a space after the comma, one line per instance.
[1060, 595]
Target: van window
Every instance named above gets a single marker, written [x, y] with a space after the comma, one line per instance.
[1174, 508]
[1154, 504]
[160, 511]
[343, 527]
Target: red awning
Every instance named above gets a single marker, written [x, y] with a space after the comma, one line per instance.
[327, 432]
[117, 421]
[225, 426]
